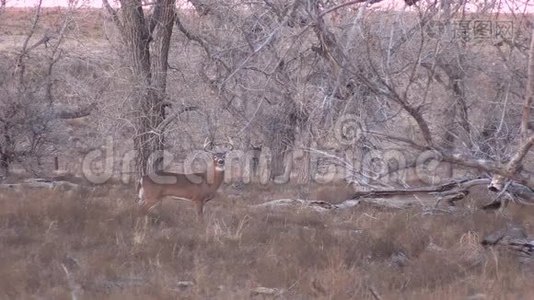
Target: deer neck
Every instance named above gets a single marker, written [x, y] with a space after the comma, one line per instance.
[218, 177]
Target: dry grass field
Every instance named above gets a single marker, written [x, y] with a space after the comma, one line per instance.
[93, 244]
[56, 243]
[86, 23]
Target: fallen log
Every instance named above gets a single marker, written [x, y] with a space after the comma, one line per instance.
[452, 187]
[513, 238]
[405, 198]
[317, 205]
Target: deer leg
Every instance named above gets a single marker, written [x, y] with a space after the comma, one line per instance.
[147, 204]
[144, 207]
[199, 203]
[147, 210]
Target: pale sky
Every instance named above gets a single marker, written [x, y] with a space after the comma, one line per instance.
[64, 3]
[53, 3]
[517, 6]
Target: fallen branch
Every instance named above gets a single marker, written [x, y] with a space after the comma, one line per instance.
[513, 192]
[513, 238]
[453, 186]
[51, 184]
[317, 205]
[265, 291]
[324, 206]
[451, 192]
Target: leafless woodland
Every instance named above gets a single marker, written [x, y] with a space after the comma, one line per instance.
[381, 149]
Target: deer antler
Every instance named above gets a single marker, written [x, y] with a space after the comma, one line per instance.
[208, 143]
[231, 143]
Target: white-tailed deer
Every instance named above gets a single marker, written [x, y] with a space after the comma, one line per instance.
[196, 187]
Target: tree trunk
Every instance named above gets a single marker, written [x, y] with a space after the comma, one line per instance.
[148, 41]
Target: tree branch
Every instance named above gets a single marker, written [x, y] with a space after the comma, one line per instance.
[408, 141]
[515, 163]
[20, 68]
[336, 7]
[114, 15]
[526, 142]
[530, 91]
[171, 118]
[74, 114]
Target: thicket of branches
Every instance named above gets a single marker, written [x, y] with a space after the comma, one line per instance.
[410, 78]
[415, 79]
[40, 88]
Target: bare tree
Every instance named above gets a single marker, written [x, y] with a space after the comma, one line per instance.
[147, 38]
[29, 112]
[286, 71]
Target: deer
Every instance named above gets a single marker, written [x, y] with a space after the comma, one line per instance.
[198, 188]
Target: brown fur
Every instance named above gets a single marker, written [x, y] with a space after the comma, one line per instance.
[198, 187]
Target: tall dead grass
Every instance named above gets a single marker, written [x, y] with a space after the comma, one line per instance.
[55, 244]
